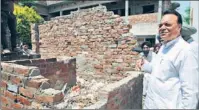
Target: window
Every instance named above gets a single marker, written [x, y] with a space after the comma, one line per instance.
[122, 12]
[45, 17]
[67, 12]
[115, 11]
[129, 11]
[113, 3]
[151, 40]
[148, 9]
[140, 40]
[55, 14]
[89, 7]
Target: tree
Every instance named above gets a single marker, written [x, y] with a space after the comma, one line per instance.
[25, 16]
[187, 16]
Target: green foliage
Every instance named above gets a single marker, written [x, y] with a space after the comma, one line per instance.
[187, 16]
[25, 16]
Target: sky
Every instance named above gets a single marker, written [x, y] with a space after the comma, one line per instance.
[183, 6]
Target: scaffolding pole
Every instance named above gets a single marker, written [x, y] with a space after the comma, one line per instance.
[126, 11]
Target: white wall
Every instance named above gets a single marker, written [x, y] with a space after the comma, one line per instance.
[194, 5]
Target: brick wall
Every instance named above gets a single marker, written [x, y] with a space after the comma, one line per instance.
[100, 33]
[27, 83]
[143, 18]
[124, 94]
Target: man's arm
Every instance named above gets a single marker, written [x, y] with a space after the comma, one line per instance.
[189, 77]
[147, 67]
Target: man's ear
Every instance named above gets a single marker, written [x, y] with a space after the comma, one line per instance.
[180, 27]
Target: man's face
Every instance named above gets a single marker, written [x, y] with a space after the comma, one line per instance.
[145, 48]
[25, 47]
[169, 28]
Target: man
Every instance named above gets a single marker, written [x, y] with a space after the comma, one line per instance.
[174, 73]
[148, 55]
[8, 20]
[157, 47]
[26, 51]
[146, 50]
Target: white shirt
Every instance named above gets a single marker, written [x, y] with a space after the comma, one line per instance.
[27, 52]
[151, 55]
[174, 77]
[194, 46]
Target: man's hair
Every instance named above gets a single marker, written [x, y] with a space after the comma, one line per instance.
[157, 45]
[25, 43]
[146, 43]
[174, 13]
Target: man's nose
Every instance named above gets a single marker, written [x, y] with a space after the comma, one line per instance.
[162, 27]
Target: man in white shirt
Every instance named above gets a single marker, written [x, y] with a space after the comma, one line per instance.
[174, 72]
[148, 55]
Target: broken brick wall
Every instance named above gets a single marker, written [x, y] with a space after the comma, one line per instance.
[26, 83]
[104, 36]
[127, 95]
[124, 94]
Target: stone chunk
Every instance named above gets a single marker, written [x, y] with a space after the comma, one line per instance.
[49, 96]
[13, 88]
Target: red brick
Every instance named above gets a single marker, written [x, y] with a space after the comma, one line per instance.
[10, 95]
[15, 79]
[113, 93]
[5, 108]
[4, 101]
[17, 106]
[5, 76]
[119, 68]
[134, 53]
[51, 60]
[22, 70]
[2, 90]
[43, 65]
[38, 61]
[7, 67]
[35, 83]
[3, 84]
[35, 105]
[98, 66]
[111, 105]
[148, 18]
[23, 100]
[123, 46]
[49, 98]
[28, 92]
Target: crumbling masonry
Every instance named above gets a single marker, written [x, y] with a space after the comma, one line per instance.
[86, 63]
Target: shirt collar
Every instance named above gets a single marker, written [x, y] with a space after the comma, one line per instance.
[170, 43]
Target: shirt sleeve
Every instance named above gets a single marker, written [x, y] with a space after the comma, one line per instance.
[147, 67]
[31, 52]
[189, 77]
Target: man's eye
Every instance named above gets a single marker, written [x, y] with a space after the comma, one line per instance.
[160, 25]
[166, 24]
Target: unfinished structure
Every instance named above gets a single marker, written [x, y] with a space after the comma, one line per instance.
[86, 59]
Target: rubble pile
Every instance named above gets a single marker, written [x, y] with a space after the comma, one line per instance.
[85, 93]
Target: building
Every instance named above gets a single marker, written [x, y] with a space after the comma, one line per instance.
[142, 15]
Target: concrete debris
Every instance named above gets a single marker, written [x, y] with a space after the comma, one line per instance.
[85, 93]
